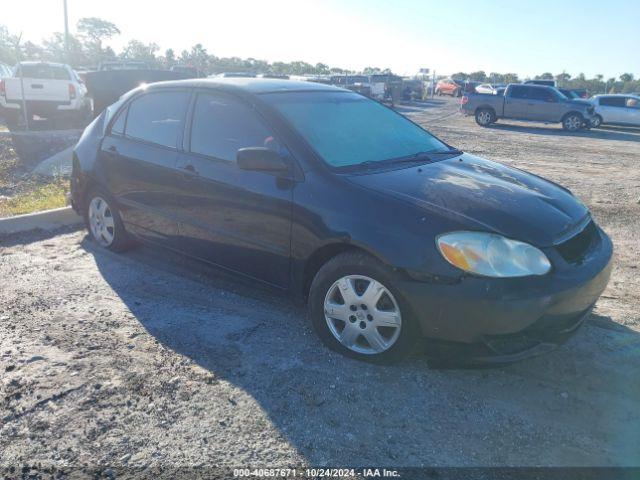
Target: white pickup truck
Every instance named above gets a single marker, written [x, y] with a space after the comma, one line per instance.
[51, 90]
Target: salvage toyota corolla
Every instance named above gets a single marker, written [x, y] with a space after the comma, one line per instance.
[388, 233]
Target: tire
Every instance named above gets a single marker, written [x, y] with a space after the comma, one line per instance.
[572, 122]
[597, 121]
[485, 117]
[107, 230]
[340, 306]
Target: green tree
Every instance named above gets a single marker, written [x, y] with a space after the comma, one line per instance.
[96, 30]
[478, 76]
[54, 50]
[626, 77]
[460, 76]
[9, 46]
[137, 50]
[511, 78]
[562, 78]
[169, 57]
[92, 32]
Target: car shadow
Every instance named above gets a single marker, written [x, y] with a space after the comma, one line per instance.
[601, 133]
[338, 411]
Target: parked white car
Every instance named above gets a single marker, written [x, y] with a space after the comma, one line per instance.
[51, 90]
[619, 109]
[485, 88]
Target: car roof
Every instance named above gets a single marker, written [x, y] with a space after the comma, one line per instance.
[38, 62]
[249, 85]
[616, 95]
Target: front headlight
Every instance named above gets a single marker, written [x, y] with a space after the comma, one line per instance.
[492, 255]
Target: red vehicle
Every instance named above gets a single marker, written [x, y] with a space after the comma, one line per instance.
[455, 88]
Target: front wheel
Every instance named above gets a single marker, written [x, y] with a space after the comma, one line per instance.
[356, 310]
[104, 223]
[596, 121]
[572, 122]
[485, 117]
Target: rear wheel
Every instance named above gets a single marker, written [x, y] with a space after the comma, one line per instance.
[356, 310]
[104, 223]
[572, 122]
[485, 117]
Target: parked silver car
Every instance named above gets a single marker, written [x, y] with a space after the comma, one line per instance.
[619, 109]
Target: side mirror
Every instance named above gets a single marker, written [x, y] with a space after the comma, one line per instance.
[260, 159]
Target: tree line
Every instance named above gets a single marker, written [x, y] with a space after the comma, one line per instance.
[86, 49]
[625, 83]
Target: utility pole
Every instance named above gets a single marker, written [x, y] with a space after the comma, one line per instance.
[66, 33]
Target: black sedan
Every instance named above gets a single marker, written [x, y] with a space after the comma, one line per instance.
[387, 232]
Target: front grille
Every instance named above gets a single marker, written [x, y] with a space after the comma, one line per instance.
[574, 250]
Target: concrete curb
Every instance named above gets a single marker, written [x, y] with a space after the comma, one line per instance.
[47, 220]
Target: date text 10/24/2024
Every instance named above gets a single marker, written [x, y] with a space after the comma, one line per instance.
[315, 473]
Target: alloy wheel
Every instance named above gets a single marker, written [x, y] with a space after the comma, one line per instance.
[484, 117]
[362, 314]
[573, 123]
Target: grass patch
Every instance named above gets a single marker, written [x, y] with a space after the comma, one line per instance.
[35, 196]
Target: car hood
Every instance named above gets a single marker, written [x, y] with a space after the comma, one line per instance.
[579, 101]
[485, 195]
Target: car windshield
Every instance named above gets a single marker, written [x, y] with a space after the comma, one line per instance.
[347, 129]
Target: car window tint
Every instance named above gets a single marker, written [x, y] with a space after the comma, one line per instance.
[222, 125]
[158, 117]
[519, 92]
[542, 94]
[118, 126]
[612, 101]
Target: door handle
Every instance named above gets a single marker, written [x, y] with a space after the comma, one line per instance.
[189, 171]
[111, 150]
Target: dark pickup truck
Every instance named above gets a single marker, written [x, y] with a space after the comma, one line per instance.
[113, 79]
[531, 103]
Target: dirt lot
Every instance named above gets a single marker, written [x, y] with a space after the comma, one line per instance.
[147, 359]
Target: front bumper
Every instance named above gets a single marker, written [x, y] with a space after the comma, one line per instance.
[503, 320]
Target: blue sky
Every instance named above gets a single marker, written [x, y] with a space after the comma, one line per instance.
[525, 37]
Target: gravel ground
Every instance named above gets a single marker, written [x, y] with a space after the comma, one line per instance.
[147, 359]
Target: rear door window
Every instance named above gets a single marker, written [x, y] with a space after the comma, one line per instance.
[158, 117]
[612, 101]
[518, 91]
[223, 124]
[542, 94]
